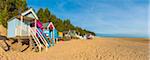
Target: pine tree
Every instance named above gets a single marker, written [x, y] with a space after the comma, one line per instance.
[40, 14]
[47, 14]
[10, 8]
[53, 18]
[4, 16]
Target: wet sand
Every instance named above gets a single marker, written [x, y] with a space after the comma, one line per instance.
[94, 49]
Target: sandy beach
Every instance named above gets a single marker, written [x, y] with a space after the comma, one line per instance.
[94, 49]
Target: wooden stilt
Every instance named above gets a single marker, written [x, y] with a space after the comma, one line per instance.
[53, 37]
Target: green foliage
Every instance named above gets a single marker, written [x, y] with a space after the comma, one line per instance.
[53, 18]
[60, 25]
[4, 17]
[10, 8]
[40, 14]
[47, 14]
[21, 5]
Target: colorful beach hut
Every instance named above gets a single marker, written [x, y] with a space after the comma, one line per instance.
[50, 31]
[17, 26]
[27, 26]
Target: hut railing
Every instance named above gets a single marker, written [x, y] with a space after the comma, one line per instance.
[22, 31]
[33, 34]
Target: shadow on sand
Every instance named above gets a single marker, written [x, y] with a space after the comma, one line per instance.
[4, 38]
[7, 47]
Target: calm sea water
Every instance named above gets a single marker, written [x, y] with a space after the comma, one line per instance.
[123, 35]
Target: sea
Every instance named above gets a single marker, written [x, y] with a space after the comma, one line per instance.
[123, 35]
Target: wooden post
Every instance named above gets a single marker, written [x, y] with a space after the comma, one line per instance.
[21, 25]
[53, 37]
[28, 31]
[35, 25]
[30, 39]
[30, 42]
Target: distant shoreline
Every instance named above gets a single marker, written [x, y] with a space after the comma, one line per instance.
[121, 36]
[143, 40]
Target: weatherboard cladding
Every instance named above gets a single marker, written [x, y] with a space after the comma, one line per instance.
[12, 25]
[14, 22]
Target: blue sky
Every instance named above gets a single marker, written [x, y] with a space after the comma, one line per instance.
[100, 16]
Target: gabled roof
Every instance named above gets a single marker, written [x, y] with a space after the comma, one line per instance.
[25, 13]
[30, 11]
[47, 25]
[51, 24]
[24, 18]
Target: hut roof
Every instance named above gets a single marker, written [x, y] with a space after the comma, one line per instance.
[30, 11]
[24, 18]
[24, 14]
[45, 25]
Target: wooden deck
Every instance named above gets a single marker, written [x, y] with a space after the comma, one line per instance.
[23, 37]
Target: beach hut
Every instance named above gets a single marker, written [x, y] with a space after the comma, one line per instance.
[17, 26]
[60, 34]
[51, 32]
[71, 34]
[25, 26]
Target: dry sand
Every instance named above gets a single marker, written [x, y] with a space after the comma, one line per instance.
[95, 49]
[2, 30]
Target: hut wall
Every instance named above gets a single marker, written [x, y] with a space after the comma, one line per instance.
[12, 24]
[14, 28]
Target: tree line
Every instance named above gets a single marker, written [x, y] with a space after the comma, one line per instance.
[11, 8]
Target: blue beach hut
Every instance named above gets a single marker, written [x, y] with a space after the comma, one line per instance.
[17, 26]
[52, 34]
[24, 27]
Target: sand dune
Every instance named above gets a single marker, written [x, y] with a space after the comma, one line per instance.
[95, 49]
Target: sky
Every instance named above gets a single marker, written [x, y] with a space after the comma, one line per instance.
[100, 16]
